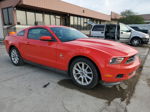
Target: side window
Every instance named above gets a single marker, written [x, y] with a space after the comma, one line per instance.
[21, 33]
[98, 28]
[36, 33]
[123, 28]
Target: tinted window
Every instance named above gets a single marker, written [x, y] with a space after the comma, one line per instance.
[10, 13]
[135, 28]
[21, 33]
[67, 34]
[8, 16]
[98, 28]
[5, 15]
[36, 33]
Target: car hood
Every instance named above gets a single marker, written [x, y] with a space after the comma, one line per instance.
[139, 33]
[107, 46]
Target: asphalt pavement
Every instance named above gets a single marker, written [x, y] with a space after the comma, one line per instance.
[31, 88]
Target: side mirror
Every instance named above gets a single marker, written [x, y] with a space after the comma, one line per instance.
[11, 33]
[129, 30]
[46, 38]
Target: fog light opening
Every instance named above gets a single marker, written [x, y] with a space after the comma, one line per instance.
[119, 76]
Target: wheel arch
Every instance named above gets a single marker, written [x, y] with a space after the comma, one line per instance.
[136, 37]
[10, 47]
[80, 56]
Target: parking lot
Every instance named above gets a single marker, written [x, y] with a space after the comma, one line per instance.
[31, 88]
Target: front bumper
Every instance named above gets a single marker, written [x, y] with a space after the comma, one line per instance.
[145, 40]
[121, 72]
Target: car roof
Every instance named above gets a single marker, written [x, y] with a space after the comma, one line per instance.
[51, 26]
[37, 26]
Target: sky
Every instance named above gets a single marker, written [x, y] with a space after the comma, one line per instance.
[106, 6]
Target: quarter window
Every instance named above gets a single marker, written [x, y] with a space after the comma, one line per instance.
[21, 33]
[36, 33]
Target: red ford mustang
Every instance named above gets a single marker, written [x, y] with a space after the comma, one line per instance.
[87, 60]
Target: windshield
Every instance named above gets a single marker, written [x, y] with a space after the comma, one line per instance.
[130, 28]
[67, 34]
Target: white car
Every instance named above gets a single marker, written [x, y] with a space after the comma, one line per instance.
[119, 32]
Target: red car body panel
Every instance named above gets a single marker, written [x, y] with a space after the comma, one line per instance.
[58, 54]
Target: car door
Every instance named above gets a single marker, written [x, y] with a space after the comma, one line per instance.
[98, 31]
[41, 52]
[125, 33]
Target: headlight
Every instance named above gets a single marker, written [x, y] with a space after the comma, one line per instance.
[116, 60]
[146, 36]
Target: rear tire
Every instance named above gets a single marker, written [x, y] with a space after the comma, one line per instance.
[15, 57]
[84, 73]
[136, 42]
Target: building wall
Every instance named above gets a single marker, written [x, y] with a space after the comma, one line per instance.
[24, 16]
[68, 15]
[58, 5]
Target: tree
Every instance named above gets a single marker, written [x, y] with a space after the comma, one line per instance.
[128, 13]
[130, 17]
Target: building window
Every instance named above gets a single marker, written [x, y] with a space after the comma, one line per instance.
[47, 19]
[85, 24]
[62, 20]
[8, 16]
[21, 17]
[71, 21]
[75, 22]
[53, 21]
[82, 24]
[39, 17]
[30, 18]
[79, 23]
[57, 20]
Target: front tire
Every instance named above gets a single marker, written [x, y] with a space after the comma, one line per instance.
[84, 73]
[15, 57]
[136, 42]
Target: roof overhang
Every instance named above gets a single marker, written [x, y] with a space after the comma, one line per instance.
[60, 6]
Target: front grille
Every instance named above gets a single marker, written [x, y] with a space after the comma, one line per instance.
[130, 59]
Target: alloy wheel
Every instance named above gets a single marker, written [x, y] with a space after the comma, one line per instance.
[14, 56]
[82, 73]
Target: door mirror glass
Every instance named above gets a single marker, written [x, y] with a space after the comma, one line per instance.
[46, 38]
